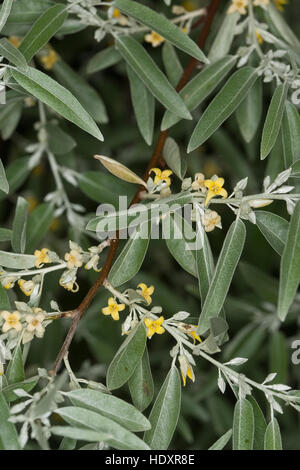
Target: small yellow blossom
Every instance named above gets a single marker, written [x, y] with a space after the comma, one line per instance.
[35, 324]
[210, 220]
[154, 38]
[259, 38]
[8, 282]
[93, 264]
[186, 369]
[189, 5]
[191, 330]
[70, 286]
[198, 183]
[239, 6]
[41, 257]
[26, 286]
[146, 292]
[73, 259]
[121, 19]
[161, 176]
[279, 4]
[32, 201]
[261, 3]
[113, 309]
[214, 189]
[15, 40]
[49, 60]
[12, 321]
[154, 326]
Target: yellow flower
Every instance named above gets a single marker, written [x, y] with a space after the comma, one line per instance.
[154, 38]
[189, 5]
[116, 13]
[186, 369]
[121, 19]
[261, 3]
[279, 4]
[49, 59]
[210, 220]
[26, 286]
[146, 292]
[15, 40]
[154, 326]
[161, 176]
[198, 183]
[191, 331]
[93, 264]
[12, 321]
[238, 5]
[32, 201]
[70, 286]
[259, 38]
[41, 257]
[73, 259]
[214, 189]
[8, 282]
[113, 308]
[35, 324]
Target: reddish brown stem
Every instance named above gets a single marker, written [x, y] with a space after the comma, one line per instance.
[156, 156]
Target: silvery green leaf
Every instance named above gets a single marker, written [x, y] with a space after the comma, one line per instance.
[249, 112]
[221, 383]
[127, 357]
[111, 407]
[4, 186]
[222, 441]
[290, 133]
[290, 266]
[173, 159]
[221, 280]
[273, 120]
[141, 385]
[273, 436]
[16, 261]
[161, 25]
[260, 424]
[269, 378]
[223, 105]
[9, 437]
[279, 387]
[277, 21]
[121, 438]
[144, 66]
[165, 412]
[237, 361]
[276, 406]
[5, 11]
[180, 316]
[103, 59]
[171, 63]
[274, 228]
[223, 40]
[44, 88]
[80, 434]
[243, 425]
[12, 54]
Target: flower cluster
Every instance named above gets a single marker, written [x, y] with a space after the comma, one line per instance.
[29, 322]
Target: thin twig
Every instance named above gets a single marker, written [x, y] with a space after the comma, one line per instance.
[78, 313]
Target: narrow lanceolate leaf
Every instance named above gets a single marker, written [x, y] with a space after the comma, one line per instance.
[57, 97]
[290, 134]
[143, 105]
[82, 90]
[127, 357]
[12, 54]
[205, 265]
[290, 266]
[180, 242]
[103, 59]
[279, 356]
[38, 225]
[120, 170]
[4, 186]
[161, 25]
[18, 240]
[15, 370]
[223, 40]
[274, 228]
[173, 159]
[277, 21]
[260, 424]
[165, 412]
[43, 30]
[119, 437]
[200, 87]
[243, 425]
[273, 436]
[8, 434]
[223, 105]
[16, 174]
[249, 111]
[222, 441]
[131, 257]
[111, 407]
[4, 12]
[273, 120]
[296, 169]
[172, 65]
[141, 383]
[16, 261]
[79, 434]
[227, 262]
[141, 62]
